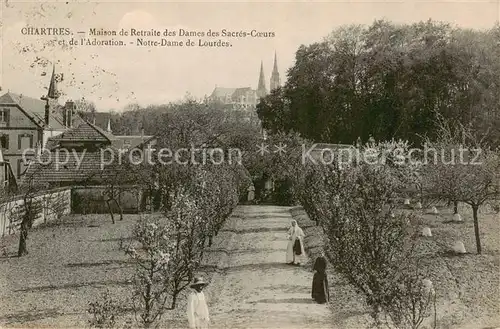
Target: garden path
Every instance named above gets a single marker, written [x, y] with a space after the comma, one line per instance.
[256, 288]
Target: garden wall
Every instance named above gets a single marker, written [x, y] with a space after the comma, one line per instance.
[49, 205]
[53, 204]
[92, 199]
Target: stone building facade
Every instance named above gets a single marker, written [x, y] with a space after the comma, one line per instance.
[27, 123]
[246, 98]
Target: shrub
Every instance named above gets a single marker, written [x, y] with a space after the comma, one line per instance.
[104, 311]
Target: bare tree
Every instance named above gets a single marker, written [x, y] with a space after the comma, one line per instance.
[29, 209]
[470, 174]
[152, 258]
[481, 183]
[104, 312]
[414, 299]
[189, 233]
[113, 189]
[85, 106]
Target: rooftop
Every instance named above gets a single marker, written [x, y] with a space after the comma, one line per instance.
[69, 169]
[101, 118]
[222, 92]
[35, 109]
[85, 132]
[130, 141]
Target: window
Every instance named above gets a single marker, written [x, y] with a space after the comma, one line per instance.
[4, 116]
[25, 141]
[7, 169]
[4, 141]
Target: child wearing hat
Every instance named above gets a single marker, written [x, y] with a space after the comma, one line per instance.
[197, 309]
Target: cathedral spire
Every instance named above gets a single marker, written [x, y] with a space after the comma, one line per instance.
[275, 76]
[261, 89]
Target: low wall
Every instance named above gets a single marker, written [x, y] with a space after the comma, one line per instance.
[53, 204]
[48, 206]
[92, 199]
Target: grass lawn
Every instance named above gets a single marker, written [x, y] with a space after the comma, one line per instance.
[69, 264]
[467, 286]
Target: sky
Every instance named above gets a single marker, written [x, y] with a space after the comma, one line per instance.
[113, 77]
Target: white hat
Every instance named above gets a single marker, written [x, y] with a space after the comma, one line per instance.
[198, 281]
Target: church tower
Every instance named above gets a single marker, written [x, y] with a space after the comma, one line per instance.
[261, 89]
[275, 76]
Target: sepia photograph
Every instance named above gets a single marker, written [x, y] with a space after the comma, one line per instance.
[250, 164]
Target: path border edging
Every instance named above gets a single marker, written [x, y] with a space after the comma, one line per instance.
[222, 263]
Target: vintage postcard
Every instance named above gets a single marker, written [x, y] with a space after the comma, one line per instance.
[250, 164]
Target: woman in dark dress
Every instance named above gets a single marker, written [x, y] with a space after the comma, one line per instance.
[320, 292]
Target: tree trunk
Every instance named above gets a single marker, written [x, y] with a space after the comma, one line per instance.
[148, 301]
[455, 207]
[210, 241]
[23, 236]
[422, 194]
[174, 300]
[475, 209]
[110, 211]
[119, 209]
[151, 203]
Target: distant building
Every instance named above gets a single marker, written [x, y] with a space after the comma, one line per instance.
[84, 143]
[132, 142]
[246, 98]
[81, 165]
[102, 120]
[85, 138]
[275, 75]
[27, 123]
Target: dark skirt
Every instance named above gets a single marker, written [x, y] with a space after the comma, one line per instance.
[320, 292]
[297, 248]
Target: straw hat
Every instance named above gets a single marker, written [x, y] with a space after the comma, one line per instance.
[198, 281]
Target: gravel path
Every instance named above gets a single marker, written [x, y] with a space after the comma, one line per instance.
[255, 288]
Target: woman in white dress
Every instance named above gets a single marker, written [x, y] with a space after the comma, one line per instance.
[295, 255]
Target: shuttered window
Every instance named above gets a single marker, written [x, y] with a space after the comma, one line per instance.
[4, 117]
[4, 141]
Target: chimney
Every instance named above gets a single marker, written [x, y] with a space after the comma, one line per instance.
[65, 115]
[109, 126]
[68, 111]
[38, 152]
